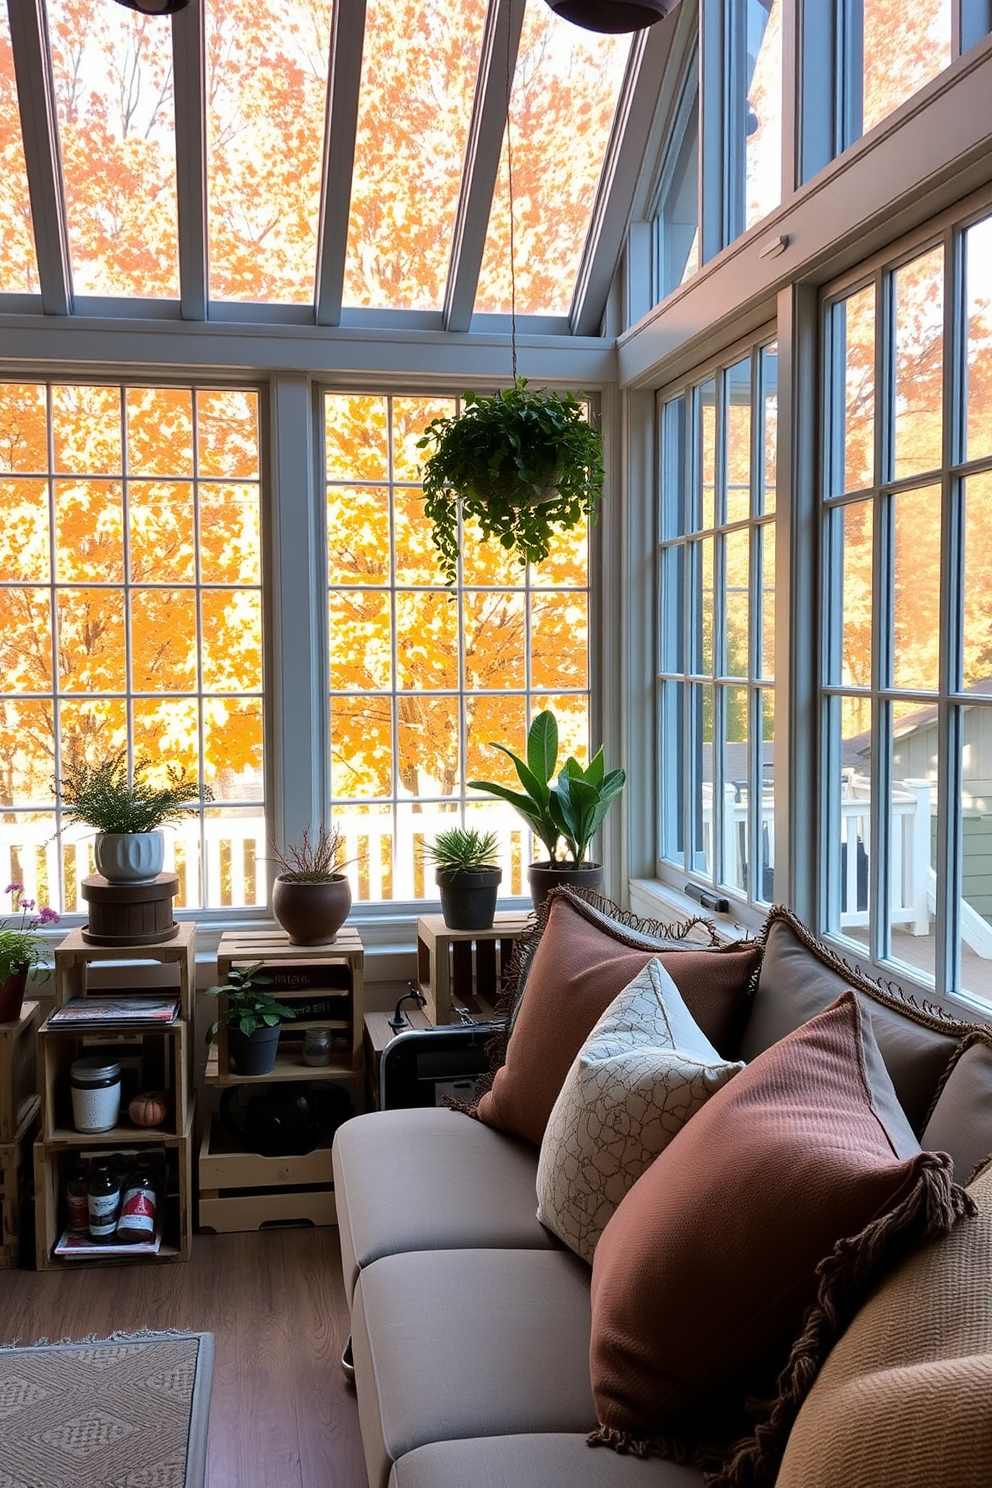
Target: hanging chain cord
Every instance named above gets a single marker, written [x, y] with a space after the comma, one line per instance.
[509, 184]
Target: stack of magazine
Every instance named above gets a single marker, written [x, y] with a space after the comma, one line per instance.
[130, 1010]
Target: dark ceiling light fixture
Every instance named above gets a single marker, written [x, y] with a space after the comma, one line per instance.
[612, 16]
[154, 7]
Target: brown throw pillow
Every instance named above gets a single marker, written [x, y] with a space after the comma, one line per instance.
[903, 1397]
[961, 1119]
[774, 1207]
[579, 967]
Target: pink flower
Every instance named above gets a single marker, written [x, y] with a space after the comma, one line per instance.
[13, 888]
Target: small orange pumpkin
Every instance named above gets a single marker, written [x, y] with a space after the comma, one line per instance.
[150, 1108]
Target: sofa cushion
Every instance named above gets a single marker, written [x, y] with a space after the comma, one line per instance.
[579, 966]
[427, 1179]
[961, 1119]
[469, 1343]
[638, 1078]
[903, 1397]
[705, 1274]
[553, 1459]
[800, 977]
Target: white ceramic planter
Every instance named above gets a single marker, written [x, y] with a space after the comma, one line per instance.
[129, 857]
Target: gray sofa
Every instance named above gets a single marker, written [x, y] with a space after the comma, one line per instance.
[471, 1322]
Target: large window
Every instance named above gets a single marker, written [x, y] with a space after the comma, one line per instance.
[907, 532]
[422, 679]
[717, 628]
[130, 615]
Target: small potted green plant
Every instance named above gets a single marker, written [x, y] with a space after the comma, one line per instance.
[563, 815]
[127, 809]
[524, 465]
[252, 1018]
[468, 876]
[22, 950]
[311, 897]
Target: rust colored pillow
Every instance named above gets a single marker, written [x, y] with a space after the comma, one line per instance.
[579, 967]
[735, 1246]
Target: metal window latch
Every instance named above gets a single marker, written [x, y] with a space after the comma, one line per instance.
[708, 899]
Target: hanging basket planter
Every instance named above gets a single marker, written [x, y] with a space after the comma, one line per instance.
[523, 465]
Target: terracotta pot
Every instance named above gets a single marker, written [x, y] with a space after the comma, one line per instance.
[543, 877]
[12, 995]
[311, 913]
[468, 900]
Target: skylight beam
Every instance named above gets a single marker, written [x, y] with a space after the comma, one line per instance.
[625, 153]
[191, 159]
[36, 97]
[340, 132]
[482, 156]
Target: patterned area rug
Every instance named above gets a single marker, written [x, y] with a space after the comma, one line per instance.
[123, 1412]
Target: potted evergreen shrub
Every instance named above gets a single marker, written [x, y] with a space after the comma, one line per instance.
[127, 809]
[311, 897]
[564, 815]
[523, 464]
[252, 1018]
[467, 875]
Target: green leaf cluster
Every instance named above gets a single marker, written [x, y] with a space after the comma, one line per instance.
[464, 850]
[571, 809]
[111, 798]
[247, 1006]
[524, 465]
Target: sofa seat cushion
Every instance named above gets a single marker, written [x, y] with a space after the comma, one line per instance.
[469, 1343]
[904, 1396]
[427, 1179]
[550, 1460]
[801, 977]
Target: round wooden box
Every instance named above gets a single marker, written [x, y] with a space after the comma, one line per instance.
[129, 914]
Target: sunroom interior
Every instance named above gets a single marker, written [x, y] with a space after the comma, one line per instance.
[251, 249]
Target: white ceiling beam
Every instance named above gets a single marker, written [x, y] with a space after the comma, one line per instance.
[622, 166]
[340, 132]
[500, 42]
[189, 75]
[36, 96]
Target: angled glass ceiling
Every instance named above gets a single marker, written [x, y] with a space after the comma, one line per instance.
[344, 155]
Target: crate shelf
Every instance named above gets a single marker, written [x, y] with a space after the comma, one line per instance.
[460, 972]
[242, 1190]
[18, 1070]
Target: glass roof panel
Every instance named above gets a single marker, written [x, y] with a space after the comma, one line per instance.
[114, 105]
[419, 71]
[18, 265]
[267, 66]
[565, 91]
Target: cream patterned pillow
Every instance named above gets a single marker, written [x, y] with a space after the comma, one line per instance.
[642, 1072]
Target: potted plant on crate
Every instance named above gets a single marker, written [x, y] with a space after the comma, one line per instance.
[127, 809]
[522, 464]
[467, 875]
[252, 1018]
[562, 815]
[22, 950]
[311, 897]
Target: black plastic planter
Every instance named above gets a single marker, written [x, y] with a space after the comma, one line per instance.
[468, 900]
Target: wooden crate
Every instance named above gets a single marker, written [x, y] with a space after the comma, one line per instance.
[74, 956]
[243, 1190]
[15, 1187]
[165, 1053]
[461, 971]
[50, 1160]
[18, 1070]
[335, 971]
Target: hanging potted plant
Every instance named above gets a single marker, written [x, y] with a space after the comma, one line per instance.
[467, 875]
[252, 1018]
[524, 465]
[311, 897]
[127, 809]
[564, 815]
[22, 950]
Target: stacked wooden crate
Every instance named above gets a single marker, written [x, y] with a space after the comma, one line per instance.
[18, 1122]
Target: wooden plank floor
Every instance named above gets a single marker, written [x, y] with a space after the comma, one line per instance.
[281, 1412]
